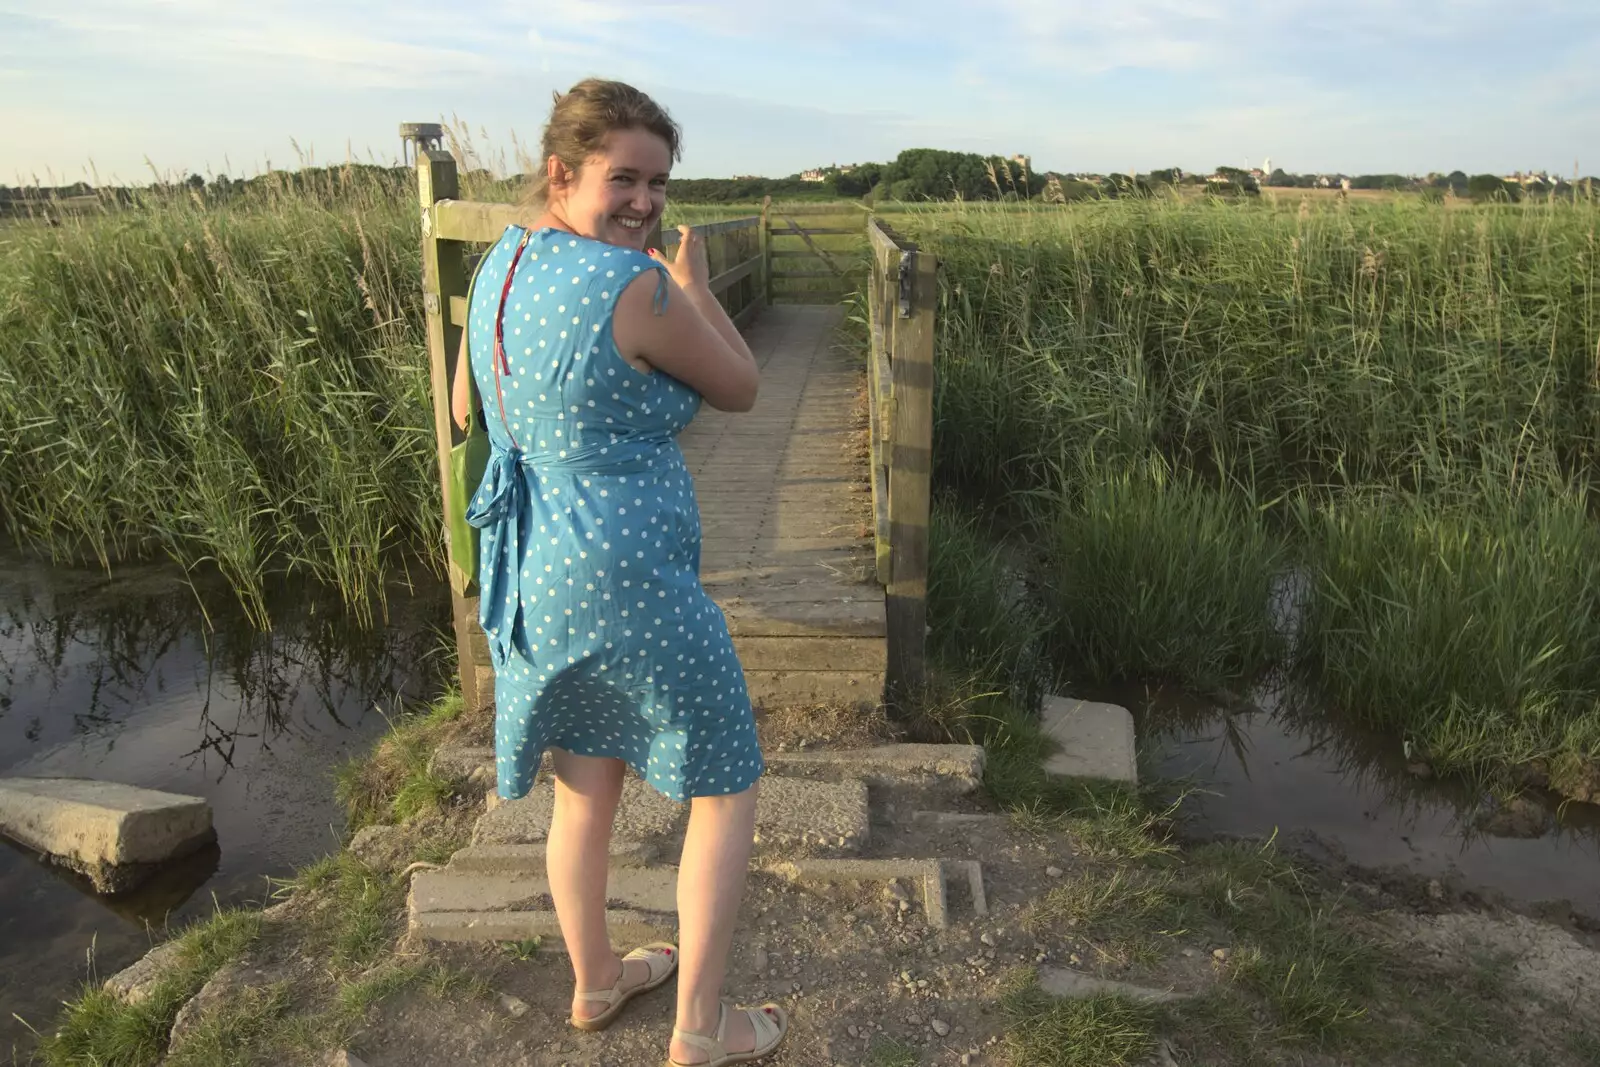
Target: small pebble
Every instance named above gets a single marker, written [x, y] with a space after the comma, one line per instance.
[1054, 872]
[941, 1027]
[987, 939]
[514, 1007]
[853, 1031]
[966, 1059]
[1220, 955]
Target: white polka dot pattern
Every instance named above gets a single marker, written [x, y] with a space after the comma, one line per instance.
[604, 643]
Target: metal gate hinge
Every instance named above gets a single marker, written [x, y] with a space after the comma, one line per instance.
[905, 285]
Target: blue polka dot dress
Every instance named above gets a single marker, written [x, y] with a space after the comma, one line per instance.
[604, 642]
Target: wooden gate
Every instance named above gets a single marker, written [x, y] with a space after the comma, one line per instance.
[817, 251]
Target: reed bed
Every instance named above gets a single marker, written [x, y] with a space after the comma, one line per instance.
[1186, 403]
[237, 381]
[239, 384]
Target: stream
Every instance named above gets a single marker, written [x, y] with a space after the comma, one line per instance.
[122, 679]
[1304, 773]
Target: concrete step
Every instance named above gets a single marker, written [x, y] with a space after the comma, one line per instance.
[957, 768]
[628, 928]
[816, 816]
[653, 889]
[529, 859]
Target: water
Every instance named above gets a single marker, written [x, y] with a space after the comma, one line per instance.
[122, 679]
[1292, 769]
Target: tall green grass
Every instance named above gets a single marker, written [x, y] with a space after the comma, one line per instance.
[1473, 630]
[1153, 574]
[1402, 344]
[239, 384]
[1184, 402]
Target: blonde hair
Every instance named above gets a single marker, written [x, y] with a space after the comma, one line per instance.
[582, 118]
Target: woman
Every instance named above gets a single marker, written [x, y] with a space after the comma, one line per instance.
[591, 355]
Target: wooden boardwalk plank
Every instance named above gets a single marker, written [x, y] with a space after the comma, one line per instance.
[787, 550]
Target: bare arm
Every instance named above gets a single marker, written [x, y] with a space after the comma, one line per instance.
[693, 339]
[460, 391]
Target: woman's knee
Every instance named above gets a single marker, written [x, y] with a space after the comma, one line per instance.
[589, 777]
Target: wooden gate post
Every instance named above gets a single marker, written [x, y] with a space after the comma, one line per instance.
[911, 315]
[444, 277]
[766, 252]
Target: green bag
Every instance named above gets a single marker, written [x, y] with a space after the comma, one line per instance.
[467, 462]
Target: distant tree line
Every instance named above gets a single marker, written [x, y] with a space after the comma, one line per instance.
[915, 174]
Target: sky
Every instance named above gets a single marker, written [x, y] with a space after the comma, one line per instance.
[121, 90]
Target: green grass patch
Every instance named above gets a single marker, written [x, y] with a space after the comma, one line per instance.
[1127, 914]
[98, 1030]
[355, 919]
[887, 1052]
[1101, 1031]
[393, 783]
[230, 1035]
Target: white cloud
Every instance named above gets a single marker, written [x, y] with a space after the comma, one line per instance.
[353, 46]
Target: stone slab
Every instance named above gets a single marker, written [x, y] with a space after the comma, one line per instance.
[113, 833]
[1065, 982]
[652, 889]
[789, 812]
[958, 766]
[1097, 740]
[627, 929]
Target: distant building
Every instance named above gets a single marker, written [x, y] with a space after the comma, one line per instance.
[813, 175]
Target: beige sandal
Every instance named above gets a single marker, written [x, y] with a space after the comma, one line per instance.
[662, 960]
[771, 1024]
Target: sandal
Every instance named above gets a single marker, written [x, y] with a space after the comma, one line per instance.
[771, 1024]
[662, 960]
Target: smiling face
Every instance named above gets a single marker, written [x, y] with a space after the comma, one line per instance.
[619, 193]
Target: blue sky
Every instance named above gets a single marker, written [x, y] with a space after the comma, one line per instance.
[774, 86]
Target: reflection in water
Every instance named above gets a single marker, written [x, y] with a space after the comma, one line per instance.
[163, 893]
[123, 679]
[1285, 764]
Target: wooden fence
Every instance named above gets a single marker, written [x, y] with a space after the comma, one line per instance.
[902, 294]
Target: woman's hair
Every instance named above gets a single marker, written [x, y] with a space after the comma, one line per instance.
[584, 115]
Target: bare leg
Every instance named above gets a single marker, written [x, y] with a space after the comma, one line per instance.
[577, 860]
[711, 877]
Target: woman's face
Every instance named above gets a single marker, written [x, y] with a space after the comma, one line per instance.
[619, 192]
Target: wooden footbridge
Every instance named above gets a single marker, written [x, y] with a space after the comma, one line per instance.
[814, 505]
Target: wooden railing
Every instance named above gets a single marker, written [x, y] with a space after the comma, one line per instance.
[902, 293]
[454, 229]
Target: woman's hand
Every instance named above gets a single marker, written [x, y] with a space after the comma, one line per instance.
[689, 268]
